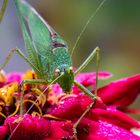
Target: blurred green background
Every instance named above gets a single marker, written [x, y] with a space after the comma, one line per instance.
[115, 29]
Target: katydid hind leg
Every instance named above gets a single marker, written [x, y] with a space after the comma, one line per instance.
[20, 54]
[34, 81]
[3, 8]
[95, 53]
[85, 90]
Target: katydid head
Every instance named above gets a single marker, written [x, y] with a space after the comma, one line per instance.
[67, 78]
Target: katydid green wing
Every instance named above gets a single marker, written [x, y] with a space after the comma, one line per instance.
[45, 48]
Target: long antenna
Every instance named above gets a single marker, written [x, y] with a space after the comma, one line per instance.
[84, 28]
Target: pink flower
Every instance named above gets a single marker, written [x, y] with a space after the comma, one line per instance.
[122, 92]
[53, 116]
[31, 127]
[14, 77]
[103, 130]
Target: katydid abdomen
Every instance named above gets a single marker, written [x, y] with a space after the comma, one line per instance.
[45, 48]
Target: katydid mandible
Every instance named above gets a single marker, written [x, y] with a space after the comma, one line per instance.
[48, 54]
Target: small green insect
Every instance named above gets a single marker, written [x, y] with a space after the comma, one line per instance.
[48, 53]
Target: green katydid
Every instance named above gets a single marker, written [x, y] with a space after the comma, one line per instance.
[48, 53]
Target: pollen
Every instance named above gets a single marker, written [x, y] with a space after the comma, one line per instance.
[7, 91]
[29, 75]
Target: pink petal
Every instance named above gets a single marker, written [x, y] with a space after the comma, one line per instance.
[128, 110]
[2, 84]
[58, 132]
[30, 128]
[14, 77]
[122, 92]
[68, 108]
[102, 130]
[88, 79]
[3, 132]
[73, 107]
[114, 116]
[57, 89]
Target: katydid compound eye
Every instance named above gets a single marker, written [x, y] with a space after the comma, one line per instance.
[71, 69]
[57, 72]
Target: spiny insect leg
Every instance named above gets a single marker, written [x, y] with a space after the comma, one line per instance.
[85, 90]
[92, 96]
[3, 8]
[21, 54]
[94, 53]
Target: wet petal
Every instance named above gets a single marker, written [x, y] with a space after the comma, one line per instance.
[57, 131]
[106, 131]
[73, 107]
[121, 92]
[114, 116]
[30, 128]
[68, 108]
[88, 79]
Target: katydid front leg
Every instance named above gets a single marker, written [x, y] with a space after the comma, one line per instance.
[20, 54]
[96, 52]
[34, 81]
